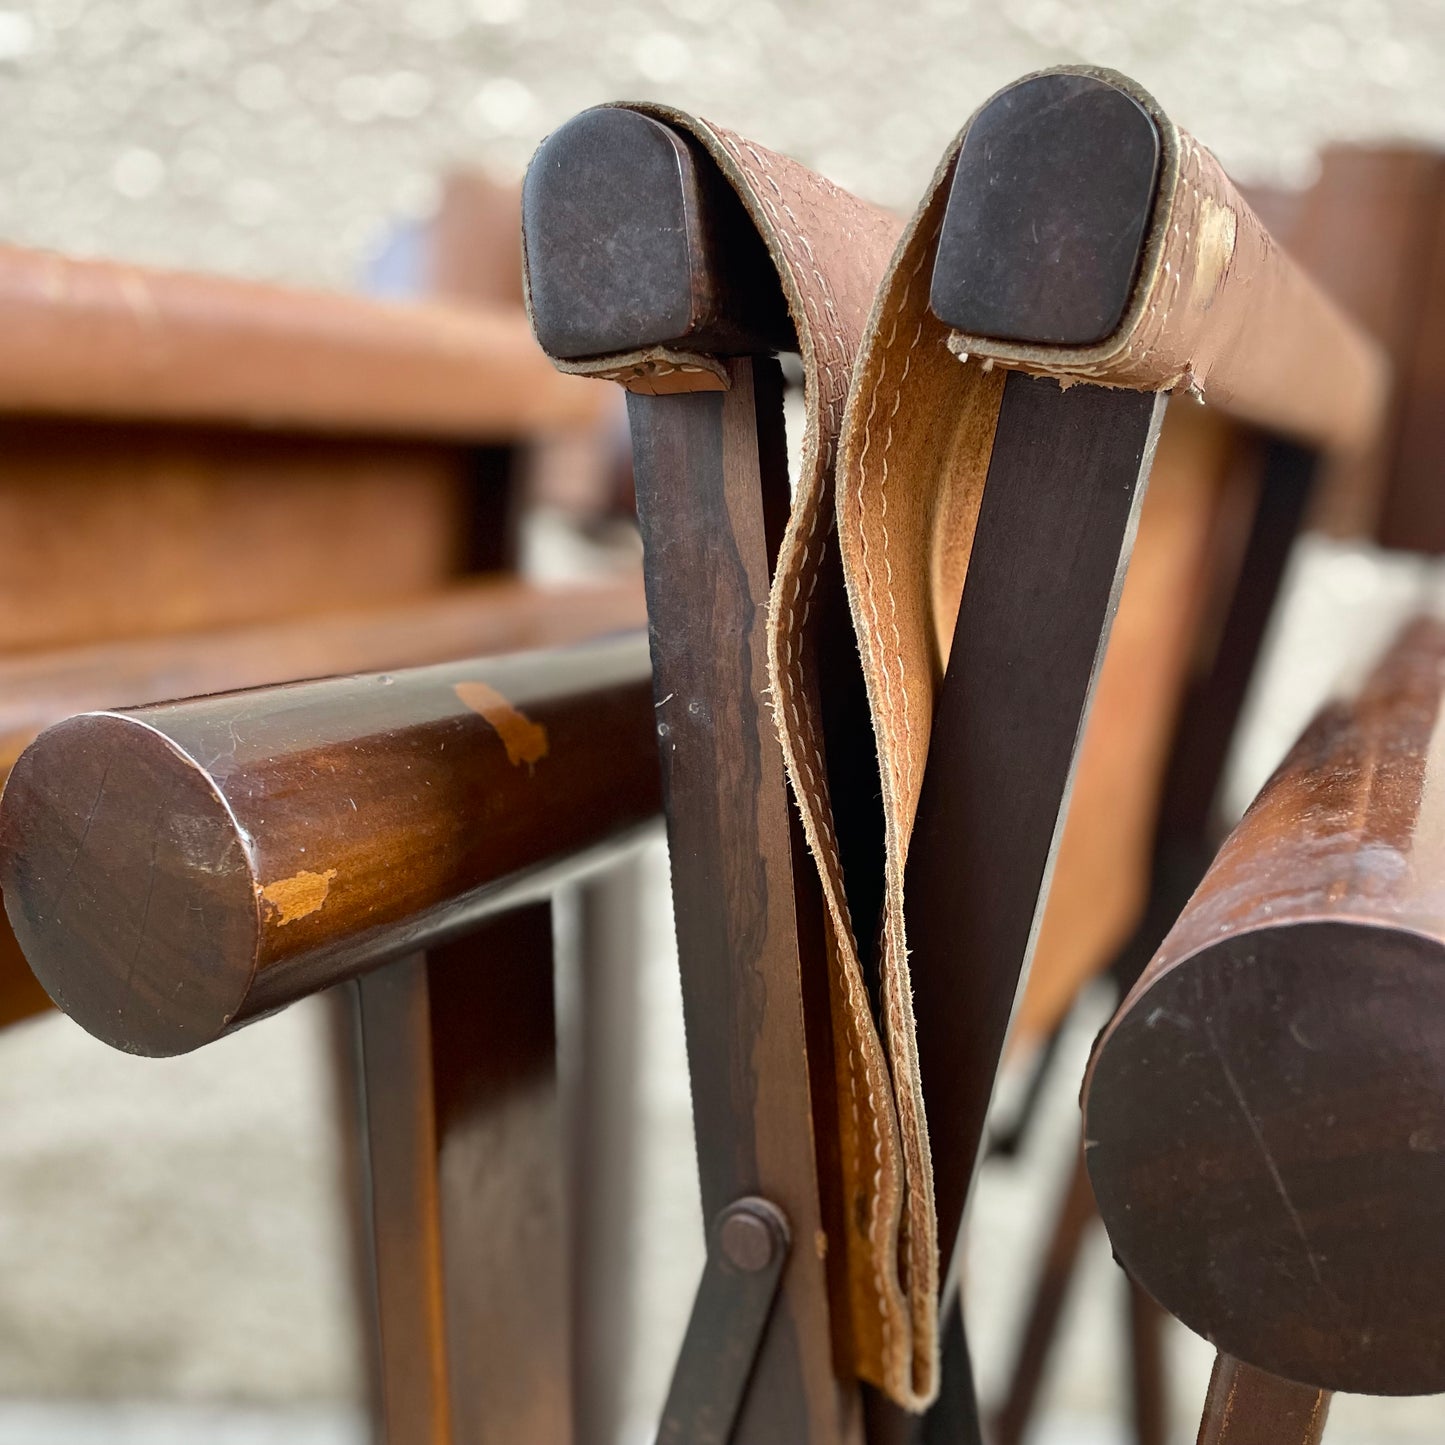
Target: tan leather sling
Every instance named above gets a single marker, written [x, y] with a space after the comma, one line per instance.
[1218, 312]
[912, 407]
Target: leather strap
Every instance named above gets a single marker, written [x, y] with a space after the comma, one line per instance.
[1218, 311]
[900, 416]
[830, 251]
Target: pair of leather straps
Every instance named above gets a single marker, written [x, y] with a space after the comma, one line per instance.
[900, 419]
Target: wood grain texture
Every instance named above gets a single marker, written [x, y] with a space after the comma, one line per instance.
[469, 1204]
[128, 530]
[712, 489]
[1366, 231]
[1264, 1118]
[1053, 538]
[606, 1101]
[467, 620]
[1186, 555]
[1412, 516]
[173, 872]
[21, 994]
[1245, 1406]
[398, 1114]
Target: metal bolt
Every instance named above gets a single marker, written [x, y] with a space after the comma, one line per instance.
[747, 1242]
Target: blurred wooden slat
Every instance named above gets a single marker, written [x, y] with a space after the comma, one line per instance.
[475, 241]
[96, 338]
[1412, 516]
[120, 530]
[1366, 231]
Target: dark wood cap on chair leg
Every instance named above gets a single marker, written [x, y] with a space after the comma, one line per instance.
[1048, 213]
[633, 239]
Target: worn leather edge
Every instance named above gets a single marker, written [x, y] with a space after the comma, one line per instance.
[1322, 380]
[828, 332]
[913, 461]
[651, 370]
[911, 396]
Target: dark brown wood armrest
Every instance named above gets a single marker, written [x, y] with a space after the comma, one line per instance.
[502, 614]
[1265, 1116]
[176, 871]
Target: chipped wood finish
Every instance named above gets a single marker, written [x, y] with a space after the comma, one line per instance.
[500, 615]
[1265, 1116]
[298, 896]
[524, 740]
[135, 530]
[176, 871]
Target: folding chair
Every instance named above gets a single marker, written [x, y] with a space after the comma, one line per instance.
[1080, 256]
[659, 252]
[1004, 730]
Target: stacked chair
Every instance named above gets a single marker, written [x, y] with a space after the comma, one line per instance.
[1060, 432]
[216, 485]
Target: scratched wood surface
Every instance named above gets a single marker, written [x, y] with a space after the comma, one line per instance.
[175, 871]
[711, 492]
[1262, 1116]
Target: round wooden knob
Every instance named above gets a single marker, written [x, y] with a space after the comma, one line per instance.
[129, 884]
[1265, 1134]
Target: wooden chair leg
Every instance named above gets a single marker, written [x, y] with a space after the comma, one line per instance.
[468, 1197]
[603, 1098]
[1245, 1406]
[1071, 1223]
[1148, 1377]
[687, 276]
[348, 1091]
[710, 484]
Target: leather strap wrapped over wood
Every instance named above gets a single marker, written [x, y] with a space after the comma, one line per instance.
[831, 251]
[1217, 310]
[900, 469]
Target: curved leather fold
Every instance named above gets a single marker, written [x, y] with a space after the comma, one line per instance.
[900, 416]
[830, 251]
[1219, 311]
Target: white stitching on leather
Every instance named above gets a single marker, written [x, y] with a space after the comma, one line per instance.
[636, 369]
[892, 983]
[833, 368]
[895, 1019]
